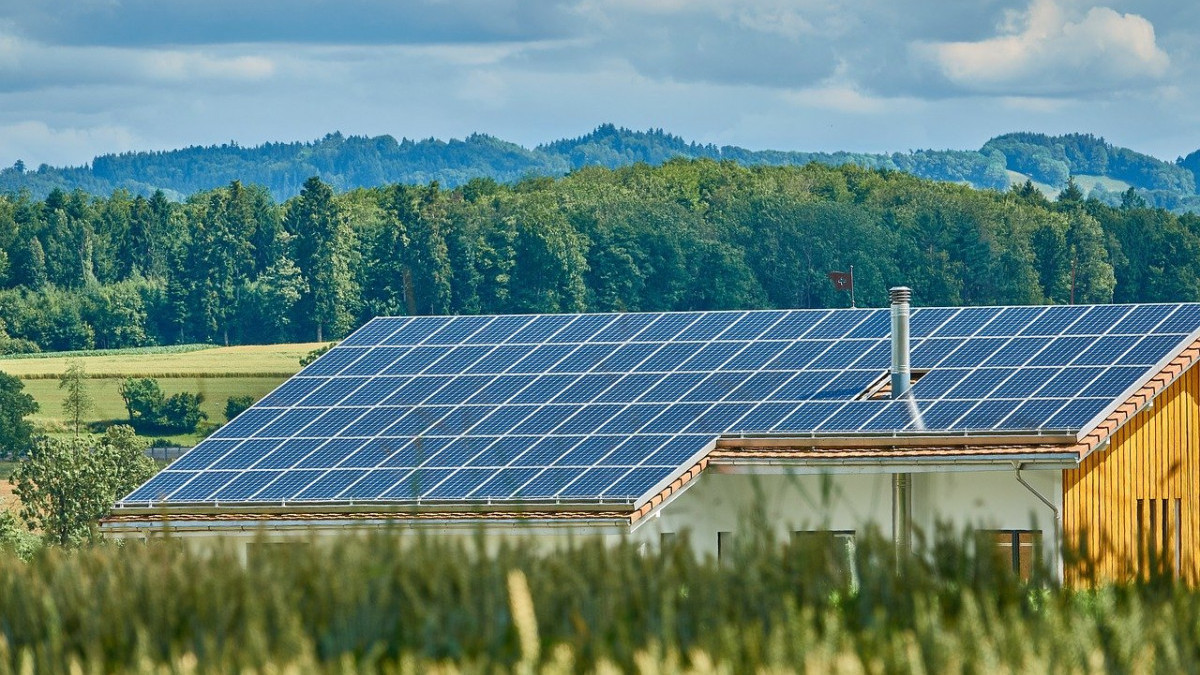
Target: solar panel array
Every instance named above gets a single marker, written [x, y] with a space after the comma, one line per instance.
[609, 407]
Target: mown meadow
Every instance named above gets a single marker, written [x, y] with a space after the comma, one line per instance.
[217, 373]
[378, 604]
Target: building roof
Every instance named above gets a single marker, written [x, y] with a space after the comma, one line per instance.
[555, 412]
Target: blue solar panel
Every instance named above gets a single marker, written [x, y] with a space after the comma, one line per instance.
[541, 329]
[330, 485]
[375, 361]
[1184, 320]
[374, 332]
[245, 455]
[587, 388]
[1105, 351]
[160, 486]
[203, 485]
[417, 484]
[414, 361]
[289, 453]
[754, 324]
[498, 330]
[544, 451]
[499, 360]
[925, 320]
[967, 322]
[585, 358]
[501, 484]
[852, 416]
[417, 390]
[288, 393]
[1150, 350]
[332, 392]
[459, 330]
[764, 417]
[501, 389]
[543, 389]
[457, 360]
[710, 326]
[1010, 320]
[713, 355]
[793, 325]
[416, 331]
[334, 360]
[667, 327]
[548, 483]
[1017, 352]
[244, 486]
[929, 353]
[1098, 320]
[1142, 320]
[585, 407]
[624, 327]
[374, 483]
[971, 354]
[583, 329]
[632, 418]
[715, 387]
[331, 453]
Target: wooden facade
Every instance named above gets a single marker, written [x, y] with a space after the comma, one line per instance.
[1132, 508]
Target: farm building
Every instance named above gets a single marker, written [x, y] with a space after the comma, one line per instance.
[1037, 425]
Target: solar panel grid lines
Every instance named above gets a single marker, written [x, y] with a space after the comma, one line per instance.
[644, 330]
[978, 330]
[364, 412]
[332, 431]
[533, 479]
[532, 412]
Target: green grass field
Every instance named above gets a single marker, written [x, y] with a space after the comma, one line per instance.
[217, 373]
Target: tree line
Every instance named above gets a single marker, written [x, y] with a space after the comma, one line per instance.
[349, 162]
[232, 265]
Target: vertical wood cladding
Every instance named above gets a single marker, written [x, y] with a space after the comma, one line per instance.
[1134, 506]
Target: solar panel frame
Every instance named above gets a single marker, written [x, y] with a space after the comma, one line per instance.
[704, 363]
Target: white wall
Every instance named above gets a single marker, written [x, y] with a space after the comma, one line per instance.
[981, 499]
[721, 502]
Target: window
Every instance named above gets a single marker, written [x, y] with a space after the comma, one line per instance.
[724, 545]
[1159, 537]
[833, 549]
[1016, 550]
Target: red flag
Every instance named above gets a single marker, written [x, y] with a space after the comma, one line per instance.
[842, 281]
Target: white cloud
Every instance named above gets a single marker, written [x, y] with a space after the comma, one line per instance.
[41, 143]
[28, 65]
[1048, 51]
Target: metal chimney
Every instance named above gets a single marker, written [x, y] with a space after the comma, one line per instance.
[901, 381]
[901, 372]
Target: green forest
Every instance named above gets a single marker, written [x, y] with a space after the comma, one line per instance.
[234, 266]
[1102, 170]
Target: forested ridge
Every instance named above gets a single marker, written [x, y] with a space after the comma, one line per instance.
[1104, 171]
[231, 265]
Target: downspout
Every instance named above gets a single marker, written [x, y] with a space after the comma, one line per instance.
[1057, 518]
[901, 381]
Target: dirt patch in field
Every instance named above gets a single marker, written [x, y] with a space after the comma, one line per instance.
[8, 500]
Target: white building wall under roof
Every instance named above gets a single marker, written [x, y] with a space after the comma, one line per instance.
[719, 502]
[851, 502]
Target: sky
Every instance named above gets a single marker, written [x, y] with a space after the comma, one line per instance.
[80, 78]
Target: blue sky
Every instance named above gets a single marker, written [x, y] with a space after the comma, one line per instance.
[84, 77]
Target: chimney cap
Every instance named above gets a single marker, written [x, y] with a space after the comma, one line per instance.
[900, 295]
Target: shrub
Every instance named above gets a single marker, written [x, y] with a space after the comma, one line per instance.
[181, 412]
[236, 405]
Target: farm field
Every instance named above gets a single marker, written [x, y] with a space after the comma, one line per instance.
[351, 604]
[218, 373]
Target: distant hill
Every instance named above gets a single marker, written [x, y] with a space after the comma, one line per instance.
[348, 162]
